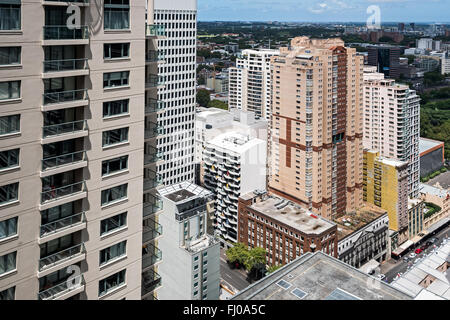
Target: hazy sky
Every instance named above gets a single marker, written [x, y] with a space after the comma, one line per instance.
[323, 10]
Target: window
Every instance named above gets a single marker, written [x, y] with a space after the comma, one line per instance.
[8, 262]
[9, 124]
[114, 108]
[113, 252]
[114, 194]
[110, 283]
[110, 224]
[10, 55]
[9, 90]
[117, 14]
[115, 136]
[9, 193]
[10, 15]
[8, 228]
[114, 165]
[8, 294]
[116, 50]
[115, 79]
[9, 159]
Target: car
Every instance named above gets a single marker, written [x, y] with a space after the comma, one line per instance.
[406, 259]
[418, 251]
[412, 255]
[381, 276]
[433, 240]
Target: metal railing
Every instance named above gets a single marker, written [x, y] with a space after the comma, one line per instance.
[154, 80]
[64, 33]
[154, 56]
[153, 157]
[154, 105]
[152, 208]
[58, 225]
[151, 232]
[64, 128]
[62, 288]
[65, 96]
[153, 130]
[150, 258]
[150, 281]
[65, 65]
[63, 159]
[57, 193]
[61, 256]
[155, 30]
[152, 182]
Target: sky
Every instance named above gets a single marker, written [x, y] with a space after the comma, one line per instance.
[435, 11]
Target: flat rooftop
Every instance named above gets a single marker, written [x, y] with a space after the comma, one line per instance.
[353, 221]
[428, 144]
[441, 193]
[318, 276]
[292, 214]
[182, 192]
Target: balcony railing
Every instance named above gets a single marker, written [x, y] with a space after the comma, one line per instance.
[153, 81]
[153, 130]
[63, 159]
[62, 288]
[152, 208]
[64, 33]
[58, 225]
[154, 56]
[152, 182]
[65, 96]
[150, 258]
[155, 30]
[149, 233]
[61, 256]
[154, 156]
[65, 65]
[154, 105]
[64, 128]
[58, 193]
[150, 281]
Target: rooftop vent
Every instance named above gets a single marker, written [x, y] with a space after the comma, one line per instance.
[284, 284]
[299, 293]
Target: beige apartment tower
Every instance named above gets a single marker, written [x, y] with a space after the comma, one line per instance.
[72, 125]
[316, 153]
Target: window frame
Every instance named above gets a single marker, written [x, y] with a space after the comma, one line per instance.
[10, 132]
[107, 79]
[9, 164]
[123, 105]
[124, 47]
[123, 189]
[9, 55]
[4, 293]
[9, 192]
[7, 223]
[121, 160]
[106, 135]
[4, 258]
[105, 224]
[105, 256]
[10, 89]
[120, 277]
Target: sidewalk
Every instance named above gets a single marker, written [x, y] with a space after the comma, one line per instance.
[387, 266]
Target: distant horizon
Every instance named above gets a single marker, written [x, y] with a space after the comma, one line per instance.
[328, 22]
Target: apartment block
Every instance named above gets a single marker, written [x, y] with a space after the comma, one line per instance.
[315, 151]
[191, 269]
[234, 164]
[386, 59]
[445, 64]
[392, 122]
[386, 186]
[283, 228]
[72, 123]
[250, 82]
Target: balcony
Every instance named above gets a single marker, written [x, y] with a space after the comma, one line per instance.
[67, 67]
[71, 98]
[153, 156]
[154, 56]
[64, 224]
[70, 255]
[64, 131]
[62, 192]
[154, 81]
[67, 161]
[151, 232]
[63, 290]
[153, 181]
[150, 281]
[153, 130]
[150, 256]
[62, 34]
[155, 30]
[154, 105]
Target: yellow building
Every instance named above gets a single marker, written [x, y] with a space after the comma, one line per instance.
[385, 184]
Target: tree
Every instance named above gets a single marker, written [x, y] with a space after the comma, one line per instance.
[238, 253]
[256, 256]
[203, 97]
[273, 268]
[218, 104]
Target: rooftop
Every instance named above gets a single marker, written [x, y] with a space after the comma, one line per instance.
[318, 276]
[181, 192]
[427, 144]
[292, 214]
[235, 142]
[441, 193]
[354, 221]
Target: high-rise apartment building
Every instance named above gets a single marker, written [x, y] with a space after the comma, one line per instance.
[250, 82]
[191, 267]
[392, 122]
[386, 186]
[386, 59]
[315, 148]
[71, 144]
[234, 164]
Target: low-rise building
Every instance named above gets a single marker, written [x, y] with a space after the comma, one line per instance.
[190, 268]
[431, 156]
[415, 218]
[428, 279]
[440, 198]
[363, 235]
[218, 82]
[285, 229]
[318, 276]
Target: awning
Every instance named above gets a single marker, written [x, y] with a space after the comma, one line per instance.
[402, 248]
[438, 224]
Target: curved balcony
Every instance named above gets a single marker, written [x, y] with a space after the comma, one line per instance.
[232, 209]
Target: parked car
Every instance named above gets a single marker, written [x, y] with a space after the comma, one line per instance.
[406, 259]
[418, 251]
[412, 255]
[381, 276]
[433, 240]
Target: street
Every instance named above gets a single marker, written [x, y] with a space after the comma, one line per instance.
[392, 267]
[236, 278]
